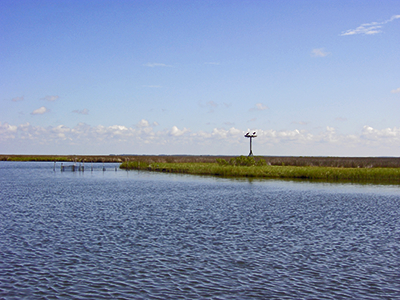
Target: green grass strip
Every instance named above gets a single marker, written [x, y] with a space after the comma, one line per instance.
[311, 173]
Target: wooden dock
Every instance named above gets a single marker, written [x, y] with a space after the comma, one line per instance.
[80, 168]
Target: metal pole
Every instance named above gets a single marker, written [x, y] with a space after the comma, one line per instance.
[251, 150]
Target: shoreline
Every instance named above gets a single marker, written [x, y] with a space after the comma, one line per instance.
[329, 169]
[300, 161]
[329, 174]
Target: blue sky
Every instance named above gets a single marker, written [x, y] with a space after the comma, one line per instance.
[191, 77]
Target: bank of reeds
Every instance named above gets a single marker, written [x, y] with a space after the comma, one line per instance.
[65, 158]
[35, 158]
[263, 170]
[339, 162]
[110, 158]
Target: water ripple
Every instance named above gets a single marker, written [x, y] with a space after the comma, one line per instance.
[114, 236]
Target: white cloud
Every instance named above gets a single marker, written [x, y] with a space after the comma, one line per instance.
[15, 99]
[177, 132]
[375, 135]
[212, 63]
[60, 131]
[40, 111]
[320, 52]
[143, 123]
[393, 18]
[84, 111]
[152, 65]
[145, 127]
[369, 28]
[7, 131]
[259, 106]
[146, 140]
[153, 86]
[51, 98]
[395, 91]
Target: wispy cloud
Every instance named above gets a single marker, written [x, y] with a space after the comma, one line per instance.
[259, 106]
[395, 91]
[51, 98]
[81, 112]
[153, 65]
[16, 99]
[212, 63]
[369, 28]
[320, 52]
[40, 111]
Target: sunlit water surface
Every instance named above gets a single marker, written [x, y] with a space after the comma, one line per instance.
[140, 235]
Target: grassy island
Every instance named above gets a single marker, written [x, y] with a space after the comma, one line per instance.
[249, 167]
[353, 169]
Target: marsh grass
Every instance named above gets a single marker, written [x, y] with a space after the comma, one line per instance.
[339, 162]
[67, 158]
[377, 169]
[37, 158]
[269, 171]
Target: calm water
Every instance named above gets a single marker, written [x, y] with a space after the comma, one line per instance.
[139, 235]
